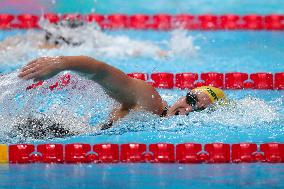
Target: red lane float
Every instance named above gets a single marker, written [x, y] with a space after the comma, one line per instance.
[273, 152]
[188, 153]
[51, 153]
[186, 80]
[133, 152]
[98, 18]
[107, 153]
[262, 80]
[162, 22]
[244, 152]
[235, 80]
[139, 21]
[230, 22]
[5, 21]
[51, 17]
[77, 153]
[218, 152]
[141, 76]
[208, 22]
[274, 22]
[117, 21]
[20, 153]
[71, 17]
[279, 81]
[162, 152]
[199, 84]
[248, 85]
[184, 21]
[213, 79]
[253, 22]
[163, 80]
[27, 21]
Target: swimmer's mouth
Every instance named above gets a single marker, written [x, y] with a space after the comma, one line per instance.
[178, 113]
[193, 110]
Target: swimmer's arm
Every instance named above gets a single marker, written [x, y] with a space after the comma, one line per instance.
[115, 115]
[116, 83]
[131, 93]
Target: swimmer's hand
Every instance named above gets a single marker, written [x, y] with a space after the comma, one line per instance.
[42, 68]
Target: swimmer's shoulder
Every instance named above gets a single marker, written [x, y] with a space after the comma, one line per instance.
[148, 97]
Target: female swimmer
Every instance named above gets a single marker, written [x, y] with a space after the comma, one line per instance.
[48, 39]
[132, 94]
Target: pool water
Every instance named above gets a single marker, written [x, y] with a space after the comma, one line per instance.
[225, 176]
[254, 116]
[251, 113]
[257, 116]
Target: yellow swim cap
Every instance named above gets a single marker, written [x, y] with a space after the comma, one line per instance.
[215, 94]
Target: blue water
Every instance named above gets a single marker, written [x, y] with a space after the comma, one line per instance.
[219, 51]
[138, 176]
[258, 118]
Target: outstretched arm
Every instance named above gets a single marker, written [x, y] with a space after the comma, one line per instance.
[131, 93]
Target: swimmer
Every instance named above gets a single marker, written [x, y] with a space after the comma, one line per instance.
[49, 39]
[74, 33]
[132, 94]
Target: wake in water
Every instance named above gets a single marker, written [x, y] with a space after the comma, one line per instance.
[76, 109]
[19, 49]
[43, 113]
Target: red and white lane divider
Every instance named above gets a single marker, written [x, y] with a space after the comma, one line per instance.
[163, 80]
[233, 80]
[154, 22]
[141, 153]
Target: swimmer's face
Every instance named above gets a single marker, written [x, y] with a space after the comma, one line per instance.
[199, 101]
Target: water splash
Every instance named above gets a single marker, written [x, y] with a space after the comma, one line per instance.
[182, 44]
[77, 112]
[26, 115]
[30, 114]
[21, 48]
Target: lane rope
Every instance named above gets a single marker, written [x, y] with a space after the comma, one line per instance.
[153, 22]
[188, 80]
[141, 153]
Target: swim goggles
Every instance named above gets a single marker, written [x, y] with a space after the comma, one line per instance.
[192, 99]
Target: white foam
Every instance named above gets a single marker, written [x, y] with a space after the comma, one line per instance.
[96, 43]
[72, 106]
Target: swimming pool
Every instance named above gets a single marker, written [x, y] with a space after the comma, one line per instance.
[257, 118]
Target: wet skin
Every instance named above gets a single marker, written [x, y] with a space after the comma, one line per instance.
[181, 107]
[132, 94]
